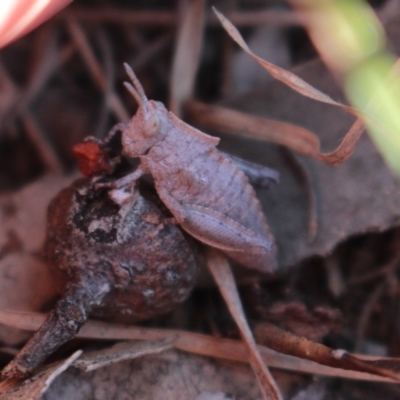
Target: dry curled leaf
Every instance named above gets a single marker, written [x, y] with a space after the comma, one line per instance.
[311, 145]
[289, 135]
[358, 196]
[288, 78]
[121, 352]
[34, 388]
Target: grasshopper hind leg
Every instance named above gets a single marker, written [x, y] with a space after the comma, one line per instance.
[239, 243]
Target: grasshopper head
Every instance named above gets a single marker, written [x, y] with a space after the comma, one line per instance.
[150, 123]
[148, 126]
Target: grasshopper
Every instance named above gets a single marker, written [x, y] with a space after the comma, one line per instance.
[207, 194]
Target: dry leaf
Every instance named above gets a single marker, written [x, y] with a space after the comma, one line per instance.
[121, 352]
[270, 42]
[173, 376]
[289, 135]
[24, 212]
[355, 197]
[288, 78]
[34, 388]
[293, 81]
[22, 232]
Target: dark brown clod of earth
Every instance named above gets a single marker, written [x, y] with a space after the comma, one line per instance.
[148, 266]
[119, 263]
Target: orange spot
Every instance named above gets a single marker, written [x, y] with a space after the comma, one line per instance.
[92, 159]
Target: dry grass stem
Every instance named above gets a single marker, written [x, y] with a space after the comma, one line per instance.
[291, 344]
[366, 314]
[195, 343]
[221, 271]
[187, 55]
[35, 134]
[39, 140]
[95, 70]
[150, 51]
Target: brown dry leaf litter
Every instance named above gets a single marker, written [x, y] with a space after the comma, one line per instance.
[288, 78]
[333, 189]
[173, 376]
[349, 200]
[35, 387]
[26, 283]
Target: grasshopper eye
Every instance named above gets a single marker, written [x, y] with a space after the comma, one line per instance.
[153, 126]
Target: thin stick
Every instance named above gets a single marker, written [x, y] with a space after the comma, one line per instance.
[94, 68]
[222, 274]
[40, 141]
[366, 313]
[35, 134]
[195, 343]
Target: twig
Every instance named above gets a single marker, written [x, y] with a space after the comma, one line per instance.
[143, 57]
[35, 134]
[38, 138]
[86, 51]
[366, 313]
[40, 79]
[93, 66]
[222, 274]
[104, 110]
[140, 45]
[289, 343]
[195, 343]
[375, 274]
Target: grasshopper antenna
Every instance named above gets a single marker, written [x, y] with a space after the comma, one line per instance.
[136, 90]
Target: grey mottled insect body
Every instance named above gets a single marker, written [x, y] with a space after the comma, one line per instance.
[206, 193]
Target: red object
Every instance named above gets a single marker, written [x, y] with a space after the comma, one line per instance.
[92, 159]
